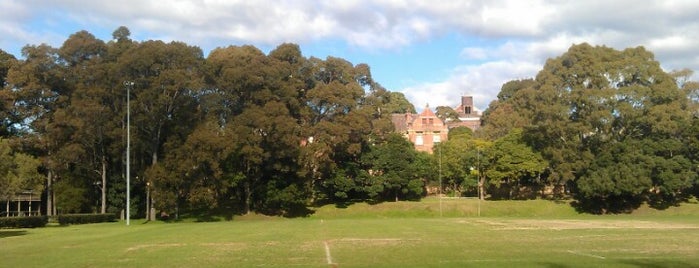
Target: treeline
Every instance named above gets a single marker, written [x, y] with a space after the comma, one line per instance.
[240, 131]
[609, 128]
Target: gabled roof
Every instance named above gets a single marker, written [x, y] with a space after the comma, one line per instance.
[427, 112]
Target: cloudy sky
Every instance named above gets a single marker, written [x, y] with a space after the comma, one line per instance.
[433, 51]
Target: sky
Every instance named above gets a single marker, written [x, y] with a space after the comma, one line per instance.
[432, 51]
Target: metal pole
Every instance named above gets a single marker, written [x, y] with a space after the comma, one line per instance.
[148, 201]
[480, 184]
[440, 179]
[128, 150]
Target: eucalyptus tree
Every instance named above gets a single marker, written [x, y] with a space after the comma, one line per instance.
[38, 90]
[91, 112]
[7, 116]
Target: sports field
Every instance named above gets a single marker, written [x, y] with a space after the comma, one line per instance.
[402, 234]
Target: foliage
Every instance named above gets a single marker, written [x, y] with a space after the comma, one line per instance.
[514, 165]
[18, 172]
[23, 222]
[244, 131]
[447, 114]
[608, 123]
[393, 170]
[68, 219]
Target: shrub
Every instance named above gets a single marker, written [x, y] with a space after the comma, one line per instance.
[23, 222]
[67, 219]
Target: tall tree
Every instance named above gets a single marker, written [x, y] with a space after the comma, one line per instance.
[594, 102]
[91, 111]
[38, 91]
[512, 109]
[7, 117]
[399, 104]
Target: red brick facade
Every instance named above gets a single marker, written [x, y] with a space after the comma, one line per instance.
[426, 129]
[423, 130]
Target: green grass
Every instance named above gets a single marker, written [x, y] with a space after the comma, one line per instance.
[401, 234]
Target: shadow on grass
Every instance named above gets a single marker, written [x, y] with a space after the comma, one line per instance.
[623, 204]
[10, 233]
[657, 263]
[552, 265]
[646, 263]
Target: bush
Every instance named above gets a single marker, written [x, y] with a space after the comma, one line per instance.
[23, 222]
[67, 219]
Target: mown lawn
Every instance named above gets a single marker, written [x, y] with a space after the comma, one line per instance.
[401, 234]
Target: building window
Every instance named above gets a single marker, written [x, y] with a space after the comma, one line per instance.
[436, 137]
[418, 139]
[467, 110]
[424, 121]
[431, 121]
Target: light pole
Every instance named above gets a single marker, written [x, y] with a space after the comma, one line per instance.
[148, 201]
[128, 85]
[440, 179]
[480, 184]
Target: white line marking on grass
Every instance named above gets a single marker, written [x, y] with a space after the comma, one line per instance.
[327, 253]
[586, 254]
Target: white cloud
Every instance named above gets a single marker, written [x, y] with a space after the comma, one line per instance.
[482, 81]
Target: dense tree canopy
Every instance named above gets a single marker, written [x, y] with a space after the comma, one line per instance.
[611, 124]
[240, 130]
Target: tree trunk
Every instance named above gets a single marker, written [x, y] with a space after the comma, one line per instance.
[49, 194]
[481, 181]
[104, 185]
[248, 197]
[53, 198]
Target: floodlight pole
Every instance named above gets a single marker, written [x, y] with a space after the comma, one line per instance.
[440, 179]
[128, 85]
[480, 184]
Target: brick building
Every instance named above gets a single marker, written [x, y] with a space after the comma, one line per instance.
[426, 129]
[469, 115]
[423, 130]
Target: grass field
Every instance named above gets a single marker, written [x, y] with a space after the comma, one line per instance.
[401, 234]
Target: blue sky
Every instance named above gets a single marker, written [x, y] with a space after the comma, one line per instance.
[432, 51]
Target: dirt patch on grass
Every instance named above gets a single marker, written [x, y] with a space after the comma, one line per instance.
[146, 246]
[226, 245]
[374, 241]
[533, 224]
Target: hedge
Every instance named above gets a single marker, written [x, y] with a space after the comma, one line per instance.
[23, 222]
[67, 219]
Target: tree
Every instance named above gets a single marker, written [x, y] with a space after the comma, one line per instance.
[447, 114]
[39, 90]
[91, 112]
[597, 111]
[18, 172]
[515, 165]
[392, 170]
[399, 104]
[512, 109]
[7, 117]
